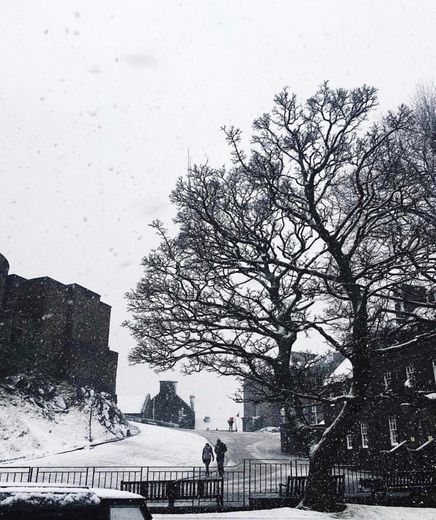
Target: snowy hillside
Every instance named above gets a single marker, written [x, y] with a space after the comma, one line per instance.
[154, 446]
[38, 417]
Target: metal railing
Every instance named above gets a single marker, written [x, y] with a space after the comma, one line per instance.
[247, 479]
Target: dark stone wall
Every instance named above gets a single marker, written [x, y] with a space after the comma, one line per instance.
[89, 318]
[258, 414]
[59, 330]
[94, 367]
[4, 269]
[35, 312]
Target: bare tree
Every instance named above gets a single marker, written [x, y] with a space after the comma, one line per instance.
[222, 295]
[424, 106]
[351, 188]
[322, 207]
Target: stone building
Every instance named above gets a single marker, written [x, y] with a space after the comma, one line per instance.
[258, 413]
[398, 425]
[261, 412]
[59, 330]
[168, 408]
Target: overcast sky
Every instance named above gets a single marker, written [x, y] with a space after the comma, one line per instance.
[100, 102]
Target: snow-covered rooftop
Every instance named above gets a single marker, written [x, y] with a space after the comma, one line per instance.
[47, 497]
[342, 372]
[29, 489]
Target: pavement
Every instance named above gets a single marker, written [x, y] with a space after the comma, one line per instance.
[246, 445]
[158, 446]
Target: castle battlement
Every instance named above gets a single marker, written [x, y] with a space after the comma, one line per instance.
[57, 329]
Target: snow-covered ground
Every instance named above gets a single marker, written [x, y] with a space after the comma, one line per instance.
[27, 434]
[353, 512]
[153, 446]
[248, 445]
[38, 418]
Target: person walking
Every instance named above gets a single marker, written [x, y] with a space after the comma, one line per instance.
[207, 456]
[230, 422]
[220, 449]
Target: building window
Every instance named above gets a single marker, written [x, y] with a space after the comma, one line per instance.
[420, 432]
[387, 380]
[364, 434]
[349, 442]
[315, 414]
[410, 373]
[434, 369]
[393, 434]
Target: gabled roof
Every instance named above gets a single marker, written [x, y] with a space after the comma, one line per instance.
[342, 372]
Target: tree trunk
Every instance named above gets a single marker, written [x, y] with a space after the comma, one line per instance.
[320, 488]
[299, 427]
[320, 491]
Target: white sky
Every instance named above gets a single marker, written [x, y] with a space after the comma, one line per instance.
[101, 100]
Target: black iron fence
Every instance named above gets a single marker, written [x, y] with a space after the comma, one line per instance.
[247, 479]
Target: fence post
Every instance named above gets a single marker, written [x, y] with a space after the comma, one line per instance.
[29, 475]
[243, 482]
[249, 480]
[193, 478]
[93, 477]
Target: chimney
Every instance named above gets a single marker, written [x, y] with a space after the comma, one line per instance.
[191, 400]
[168, 387]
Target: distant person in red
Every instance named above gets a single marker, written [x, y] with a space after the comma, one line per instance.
[230, 422]
[207, 456]
[220, 449]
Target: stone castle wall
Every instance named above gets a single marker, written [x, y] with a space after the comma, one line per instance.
[59, 330]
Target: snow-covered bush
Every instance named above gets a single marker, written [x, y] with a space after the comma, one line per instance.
[102, 406]
[40, 417]
[37, 390]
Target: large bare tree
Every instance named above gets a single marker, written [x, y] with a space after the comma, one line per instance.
[222, 295]
[325, 208]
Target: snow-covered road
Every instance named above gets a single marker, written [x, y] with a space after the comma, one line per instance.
[153, 446]
[159, 446]
[247, 445]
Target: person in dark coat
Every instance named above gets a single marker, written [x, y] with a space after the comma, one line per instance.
[220, 449]
[207, 456]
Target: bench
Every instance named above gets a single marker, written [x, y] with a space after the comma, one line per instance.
[172, 490]
[295, 487]
[411, 482]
